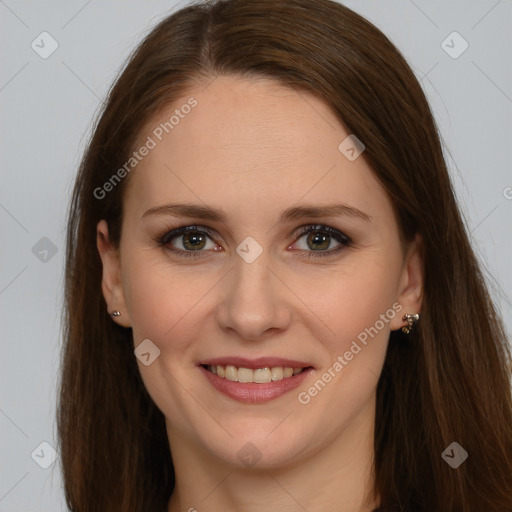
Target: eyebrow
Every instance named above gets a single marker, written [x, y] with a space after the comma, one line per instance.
[290, 214]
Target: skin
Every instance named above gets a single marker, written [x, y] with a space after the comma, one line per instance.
[254, 148]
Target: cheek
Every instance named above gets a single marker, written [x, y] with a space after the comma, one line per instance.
[352, 298]
[152, 305]
[168, 305]
[357, 305]
[164, 307]
[156, 298]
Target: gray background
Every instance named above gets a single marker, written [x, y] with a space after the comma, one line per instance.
[47, 106]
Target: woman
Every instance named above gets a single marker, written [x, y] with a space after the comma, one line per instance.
[271, 297]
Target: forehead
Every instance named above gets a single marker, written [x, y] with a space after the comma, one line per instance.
[249, 143]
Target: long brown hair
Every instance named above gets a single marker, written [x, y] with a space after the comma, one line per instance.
[448, 381]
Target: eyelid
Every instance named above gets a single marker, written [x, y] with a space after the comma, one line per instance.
[342, 239]
[175, 232]
[301, 230]
[306, 228]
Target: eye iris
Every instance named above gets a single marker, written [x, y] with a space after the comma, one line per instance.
[318, 238]
[196, 240]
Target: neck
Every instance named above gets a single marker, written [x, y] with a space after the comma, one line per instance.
[338, 476]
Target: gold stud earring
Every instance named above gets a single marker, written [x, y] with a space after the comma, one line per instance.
[411, 320]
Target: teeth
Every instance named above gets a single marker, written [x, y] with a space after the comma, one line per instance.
[231, 373]
[245, 375]
[259, 375]
[277, 373]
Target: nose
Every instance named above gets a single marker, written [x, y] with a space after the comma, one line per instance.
[255, 303]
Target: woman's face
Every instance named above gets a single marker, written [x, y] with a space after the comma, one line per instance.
[252, 289]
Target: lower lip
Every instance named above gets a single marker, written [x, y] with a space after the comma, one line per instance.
[251, 392]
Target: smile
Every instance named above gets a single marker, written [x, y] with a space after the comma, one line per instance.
[255, 381]
[256, 375]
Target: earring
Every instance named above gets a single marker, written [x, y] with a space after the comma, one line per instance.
[411, 320]
[115, 313]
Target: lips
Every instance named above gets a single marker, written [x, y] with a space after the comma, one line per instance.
[261, 362]
[254, 380]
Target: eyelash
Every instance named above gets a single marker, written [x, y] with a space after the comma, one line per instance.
[340, 237]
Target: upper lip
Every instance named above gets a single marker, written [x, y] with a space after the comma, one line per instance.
[260, 362]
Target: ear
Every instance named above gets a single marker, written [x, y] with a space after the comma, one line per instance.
[111, 283]
[410, 291]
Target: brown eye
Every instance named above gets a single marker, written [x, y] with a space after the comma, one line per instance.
[193, 241]
[319, 239]
[188, 240]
